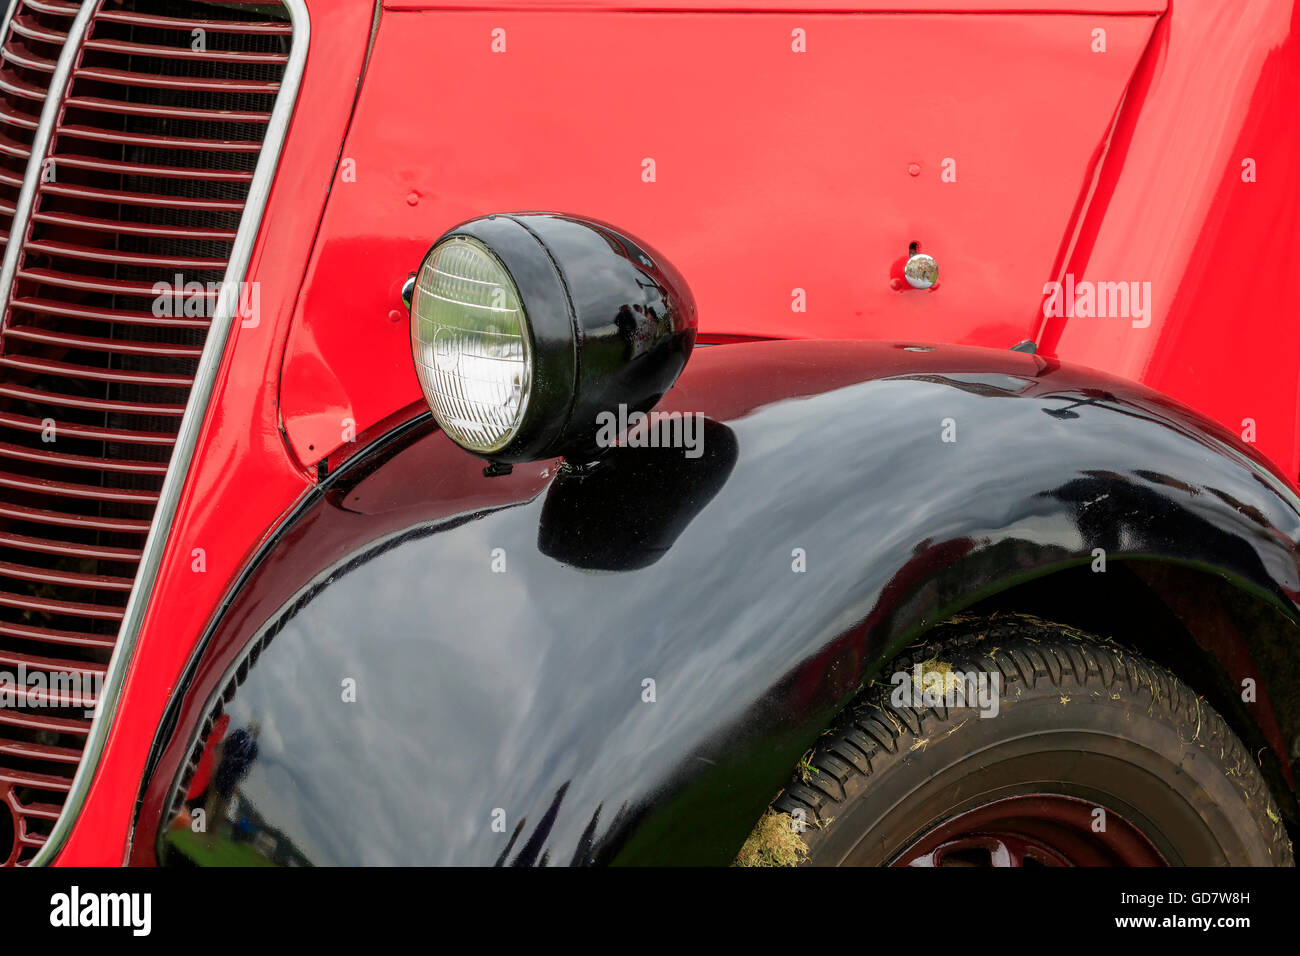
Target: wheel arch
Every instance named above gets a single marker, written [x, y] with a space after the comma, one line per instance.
[659, 565]
[1205, 629]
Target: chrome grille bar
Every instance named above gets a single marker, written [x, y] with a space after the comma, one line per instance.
[196, 405]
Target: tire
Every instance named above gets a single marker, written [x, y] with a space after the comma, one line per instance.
[1095, 757]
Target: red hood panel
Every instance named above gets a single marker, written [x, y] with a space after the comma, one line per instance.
[773, 170]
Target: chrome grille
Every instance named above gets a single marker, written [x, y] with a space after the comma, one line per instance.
[130, 233]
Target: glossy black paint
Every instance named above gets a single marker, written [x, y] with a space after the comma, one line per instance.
[611, 323]
[522, 689]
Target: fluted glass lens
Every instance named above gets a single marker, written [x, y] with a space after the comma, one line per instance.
[470, 344]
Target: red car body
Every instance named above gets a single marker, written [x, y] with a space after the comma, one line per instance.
[1008, 139]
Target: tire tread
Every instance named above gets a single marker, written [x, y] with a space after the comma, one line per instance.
[872, 733]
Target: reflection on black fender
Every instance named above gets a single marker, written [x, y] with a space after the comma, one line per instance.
[434, 666]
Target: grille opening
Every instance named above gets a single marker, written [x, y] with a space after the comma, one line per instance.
[37, 825]
[93, 647]
[43, 737]
[35, 810]
[55, 771]
[22, 94]
[146, 177]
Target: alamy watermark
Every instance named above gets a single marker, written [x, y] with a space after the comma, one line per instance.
[75, 909]
[1101, 300]
[194, 299]
[683, 430]
[50, 689]
[932, 685]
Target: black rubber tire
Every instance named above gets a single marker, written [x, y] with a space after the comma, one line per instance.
[1078, 716]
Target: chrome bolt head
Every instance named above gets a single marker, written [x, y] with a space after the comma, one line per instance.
[921, 271]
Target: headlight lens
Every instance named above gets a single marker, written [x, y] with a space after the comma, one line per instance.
[527, 328]
[470, 339]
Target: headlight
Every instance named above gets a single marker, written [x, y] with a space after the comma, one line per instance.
[470, 342]
[524, 328]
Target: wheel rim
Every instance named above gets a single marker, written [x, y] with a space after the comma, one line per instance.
[1032, 830]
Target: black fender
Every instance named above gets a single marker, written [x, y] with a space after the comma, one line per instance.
[500, 633]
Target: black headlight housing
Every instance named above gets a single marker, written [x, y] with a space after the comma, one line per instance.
[609, 323]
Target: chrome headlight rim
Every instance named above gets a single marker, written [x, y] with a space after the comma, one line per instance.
[547, 329]
[458, 433]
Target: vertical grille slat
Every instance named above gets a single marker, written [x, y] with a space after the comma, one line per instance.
[125, 245]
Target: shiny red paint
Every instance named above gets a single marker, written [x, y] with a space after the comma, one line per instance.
[774, 173]
[1218, 86]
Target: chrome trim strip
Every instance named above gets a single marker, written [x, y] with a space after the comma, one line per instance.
[40, 143]
[191, 423]
[11, 7]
